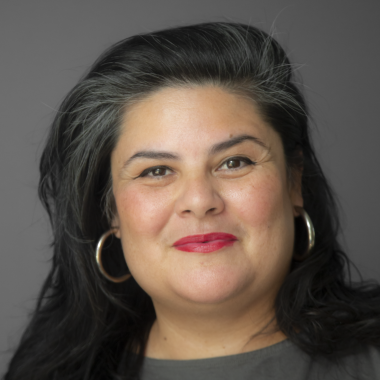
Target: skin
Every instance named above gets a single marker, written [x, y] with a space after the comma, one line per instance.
[208, 304]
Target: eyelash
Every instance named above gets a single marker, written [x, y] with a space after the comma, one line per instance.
[246, 160]
[152, 169]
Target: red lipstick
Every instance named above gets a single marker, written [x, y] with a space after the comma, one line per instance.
[205, 243]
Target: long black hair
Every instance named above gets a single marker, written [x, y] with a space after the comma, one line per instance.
[83, 323]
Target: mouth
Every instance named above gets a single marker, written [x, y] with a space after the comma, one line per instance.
[205, 243]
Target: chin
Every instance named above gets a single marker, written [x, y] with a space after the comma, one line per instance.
[208, 286]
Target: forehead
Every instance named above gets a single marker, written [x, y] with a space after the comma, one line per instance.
[196, 116]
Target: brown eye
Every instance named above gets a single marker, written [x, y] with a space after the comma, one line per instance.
[232, 164]
[157, 172]
[236, 163]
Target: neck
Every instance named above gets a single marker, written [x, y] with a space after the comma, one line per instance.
[211, 334]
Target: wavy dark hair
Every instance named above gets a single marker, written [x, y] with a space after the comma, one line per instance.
[84, 326]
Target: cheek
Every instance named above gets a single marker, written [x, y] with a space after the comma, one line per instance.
[260, 202]
[142, 212]
[265, 214]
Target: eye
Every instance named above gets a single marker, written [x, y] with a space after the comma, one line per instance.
[236, 163]
[157, 172]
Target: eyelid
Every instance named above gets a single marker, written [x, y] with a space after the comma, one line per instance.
[246, 160]
[146, 171]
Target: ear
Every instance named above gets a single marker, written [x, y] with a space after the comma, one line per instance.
[296, 189]
[115, 223]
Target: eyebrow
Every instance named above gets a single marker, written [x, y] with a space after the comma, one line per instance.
[152, 155]
[219, 147]
[216, 148]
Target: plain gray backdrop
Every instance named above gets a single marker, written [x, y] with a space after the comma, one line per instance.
[46, 45]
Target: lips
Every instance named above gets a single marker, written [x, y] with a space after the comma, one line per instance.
[205, 243]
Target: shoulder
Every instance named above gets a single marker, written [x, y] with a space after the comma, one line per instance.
[283, 360]
[286, 360]
[365, 363]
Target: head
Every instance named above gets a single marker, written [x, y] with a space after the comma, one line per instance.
[214, 64]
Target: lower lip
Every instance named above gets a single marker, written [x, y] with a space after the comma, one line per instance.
[208, 247]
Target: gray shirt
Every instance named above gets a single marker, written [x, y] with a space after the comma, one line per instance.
[281, 361]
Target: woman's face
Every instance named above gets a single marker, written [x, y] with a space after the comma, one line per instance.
[199, 161]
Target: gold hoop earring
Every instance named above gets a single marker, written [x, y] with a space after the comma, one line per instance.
[310, 232]
[99, 248]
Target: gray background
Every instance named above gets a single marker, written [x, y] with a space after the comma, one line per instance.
[46, 45]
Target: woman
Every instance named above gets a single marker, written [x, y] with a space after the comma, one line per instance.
[185, 154]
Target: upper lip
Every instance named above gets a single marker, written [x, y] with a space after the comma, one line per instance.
[204, 238]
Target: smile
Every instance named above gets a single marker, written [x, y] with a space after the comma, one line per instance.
[205, 243]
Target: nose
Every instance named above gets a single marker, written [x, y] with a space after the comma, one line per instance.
[199, 197]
